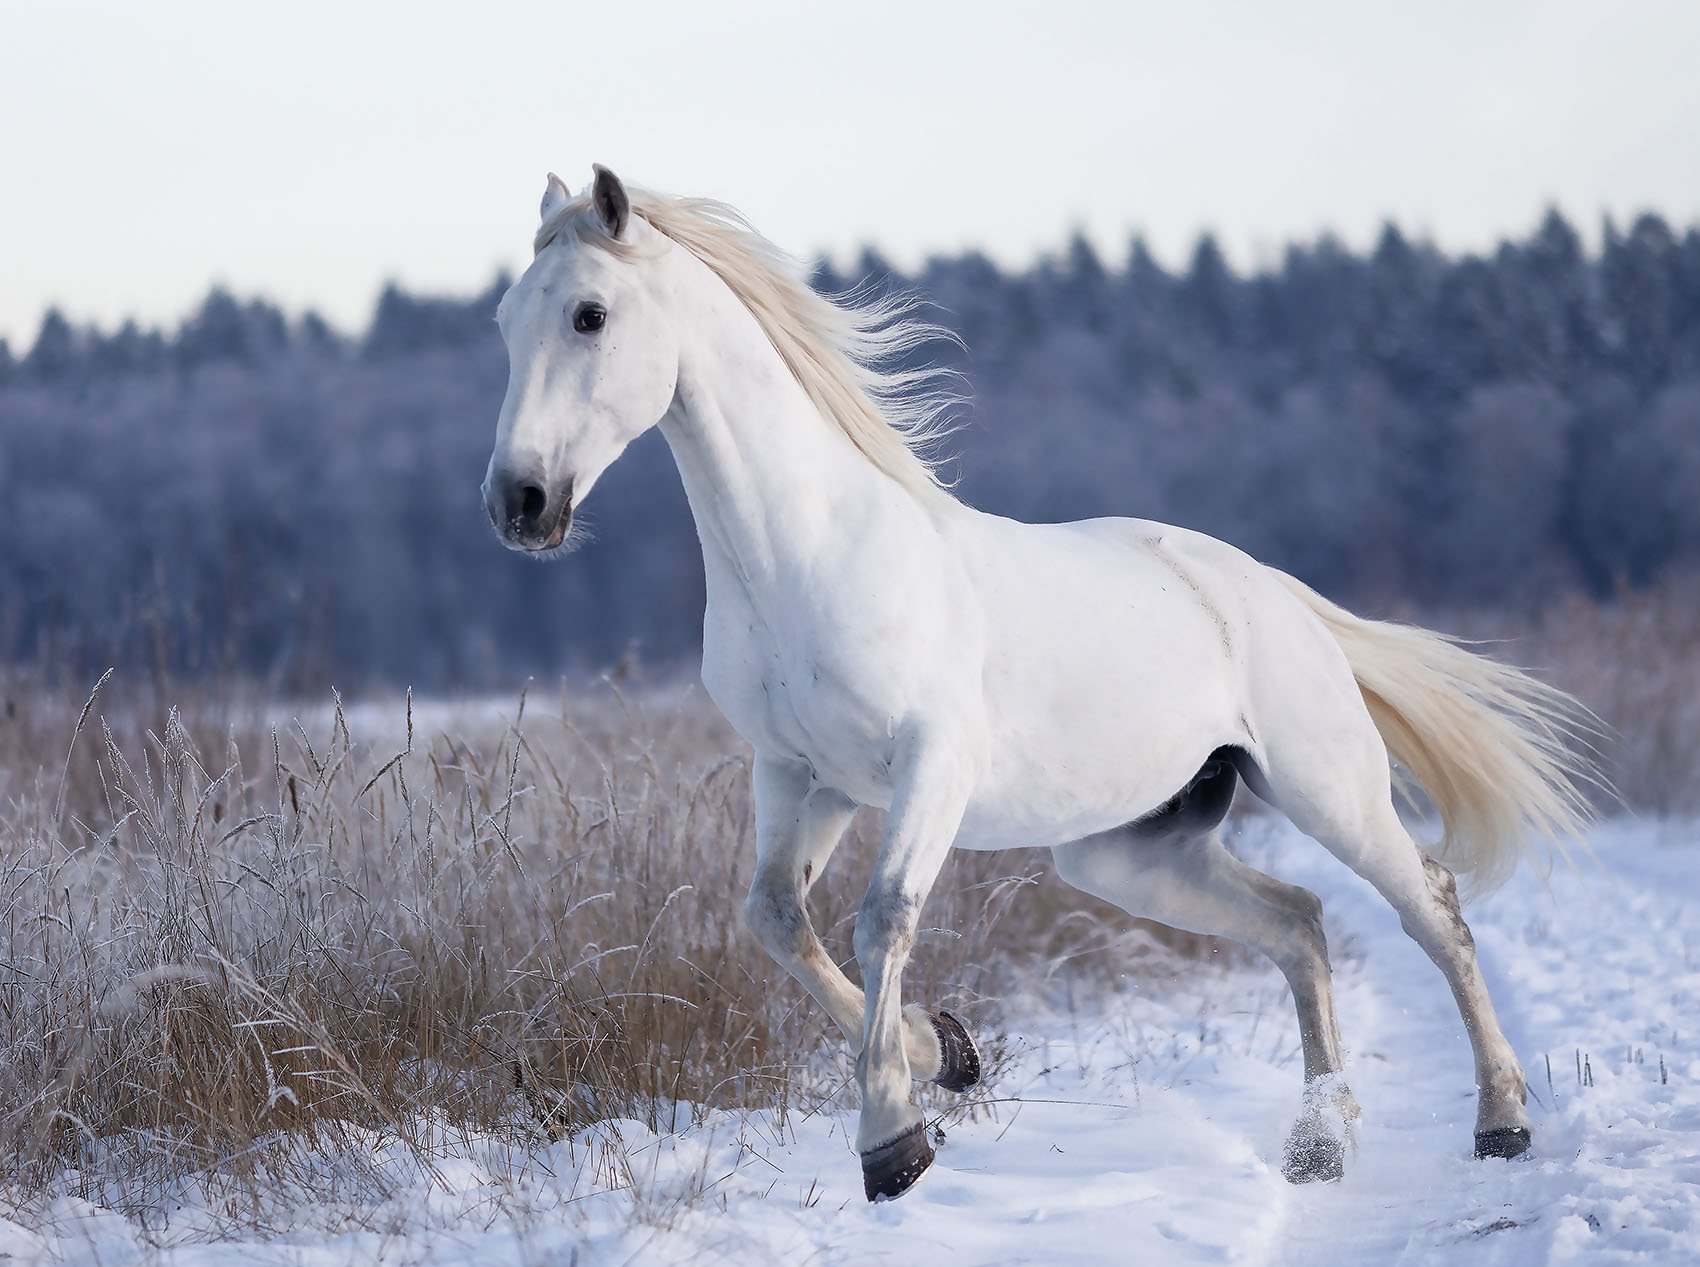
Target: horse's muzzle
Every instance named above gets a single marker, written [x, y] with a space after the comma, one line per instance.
[526, 512]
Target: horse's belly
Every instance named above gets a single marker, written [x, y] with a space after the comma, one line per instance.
[1110, 678]
[1043, 794]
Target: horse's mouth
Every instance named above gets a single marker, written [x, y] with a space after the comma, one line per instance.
[513, 534]
[558, 535]
[556, 543]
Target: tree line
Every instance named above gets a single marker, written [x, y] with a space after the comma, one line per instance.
[264, 496]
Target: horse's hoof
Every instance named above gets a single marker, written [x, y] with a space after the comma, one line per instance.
[1313, 1158]
[892, 1169]
[959, 1059]
[1504, 1141]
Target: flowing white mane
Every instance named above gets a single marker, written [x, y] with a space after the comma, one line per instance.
[845, 352]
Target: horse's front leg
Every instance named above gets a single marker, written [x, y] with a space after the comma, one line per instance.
[932, 782]
[798, 825]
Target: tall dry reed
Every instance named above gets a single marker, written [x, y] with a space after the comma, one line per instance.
[229, 935]
[224, 935]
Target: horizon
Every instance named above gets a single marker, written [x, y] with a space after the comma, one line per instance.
[1591, 238]
[311, 157]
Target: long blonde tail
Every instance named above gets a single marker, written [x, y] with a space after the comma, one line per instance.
[1505, 758]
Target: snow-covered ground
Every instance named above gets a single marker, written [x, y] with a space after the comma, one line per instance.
[1144, 1127]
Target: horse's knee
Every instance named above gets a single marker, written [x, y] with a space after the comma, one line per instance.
[886, 923]
[775, 914]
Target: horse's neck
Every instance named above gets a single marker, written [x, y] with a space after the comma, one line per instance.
[772, 484]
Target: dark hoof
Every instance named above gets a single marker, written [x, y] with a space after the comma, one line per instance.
[1506, 1142]
[959, 1059]
[892, 1169]
[1313, 1159]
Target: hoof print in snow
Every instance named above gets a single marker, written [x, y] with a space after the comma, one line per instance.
[959, 1059]
[1313, 1159]
[892, 1169]
[1506, 1142]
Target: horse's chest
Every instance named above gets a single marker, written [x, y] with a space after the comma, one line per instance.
[793, 693]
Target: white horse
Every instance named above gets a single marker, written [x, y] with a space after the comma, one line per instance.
[1094, 687]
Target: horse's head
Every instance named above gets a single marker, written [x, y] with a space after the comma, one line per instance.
[593, 361]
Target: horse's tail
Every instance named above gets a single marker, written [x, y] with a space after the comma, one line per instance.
[1504, 758]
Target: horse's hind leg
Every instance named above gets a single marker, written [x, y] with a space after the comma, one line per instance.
[1345, 801]
[798, 825]
[1175, 870]
[1425, 895]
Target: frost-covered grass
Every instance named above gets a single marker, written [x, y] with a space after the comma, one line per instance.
[1634, 661]
[400, 971]
[233, 945]
[1133, 1122]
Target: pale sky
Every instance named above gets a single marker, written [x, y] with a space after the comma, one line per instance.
[307, 152]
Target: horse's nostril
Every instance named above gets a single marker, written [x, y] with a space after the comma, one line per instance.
[532, 501]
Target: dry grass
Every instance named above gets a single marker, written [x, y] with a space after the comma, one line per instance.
[1636, 662]
[221, 940]
[232, 944]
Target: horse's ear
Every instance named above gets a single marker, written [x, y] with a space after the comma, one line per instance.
[609, 198]
[555, 196]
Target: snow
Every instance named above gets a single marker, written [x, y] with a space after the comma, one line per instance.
[1143, 1126]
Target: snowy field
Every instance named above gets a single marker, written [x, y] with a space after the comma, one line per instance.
[1139, 1128]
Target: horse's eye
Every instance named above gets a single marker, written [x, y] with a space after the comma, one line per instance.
[589, 318]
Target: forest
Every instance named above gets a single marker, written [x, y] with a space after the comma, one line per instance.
[269, 498]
